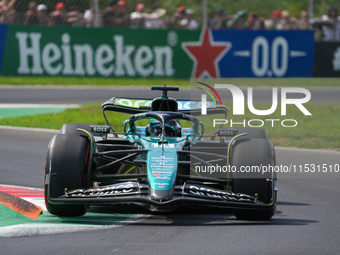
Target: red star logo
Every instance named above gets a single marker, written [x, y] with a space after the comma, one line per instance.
[206, 54]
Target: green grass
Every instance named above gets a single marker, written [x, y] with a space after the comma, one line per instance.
[321, 130]
[75, 81]
[71, 81]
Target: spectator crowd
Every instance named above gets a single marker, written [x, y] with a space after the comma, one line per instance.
[116, 15]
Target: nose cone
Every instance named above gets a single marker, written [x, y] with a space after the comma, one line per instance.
[161, 195]
[162, 171]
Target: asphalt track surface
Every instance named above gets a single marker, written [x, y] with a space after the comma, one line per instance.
[86, 95]
[307, 219]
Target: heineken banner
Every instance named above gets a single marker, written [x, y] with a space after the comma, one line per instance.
[123, 52]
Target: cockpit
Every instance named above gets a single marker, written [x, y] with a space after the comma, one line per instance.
[172, 128]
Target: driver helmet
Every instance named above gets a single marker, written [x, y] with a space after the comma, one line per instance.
[154, 128]
[172, 128]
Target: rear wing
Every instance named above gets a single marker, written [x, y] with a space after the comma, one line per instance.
[140, 105]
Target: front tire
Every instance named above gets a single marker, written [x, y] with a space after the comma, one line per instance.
[254, 153]
[71, 128]
[66, 168]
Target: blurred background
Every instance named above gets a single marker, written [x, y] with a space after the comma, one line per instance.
[319, 15]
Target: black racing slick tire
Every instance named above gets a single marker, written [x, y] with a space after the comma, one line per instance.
[66, 169]
[71, 128]
[254, 153]
[252, 132]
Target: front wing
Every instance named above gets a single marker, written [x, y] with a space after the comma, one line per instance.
[134, 192]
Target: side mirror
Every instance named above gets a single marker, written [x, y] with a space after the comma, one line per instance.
[202, 126]
[125, 125]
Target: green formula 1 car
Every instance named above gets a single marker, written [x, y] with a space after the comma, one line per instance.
[162, 160]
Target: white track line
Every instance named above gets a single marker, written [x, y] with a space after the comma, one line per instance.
[308, 150]
[15, 106]
[31, 229]
[38, 201]
[29, 129]
[24, 230]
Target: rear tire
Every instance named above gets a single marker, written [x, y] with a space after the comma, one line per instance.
[254, 152]
[66, 168]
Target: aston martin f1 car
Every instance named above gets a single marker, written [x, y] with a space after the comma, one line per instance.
[162, 160]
